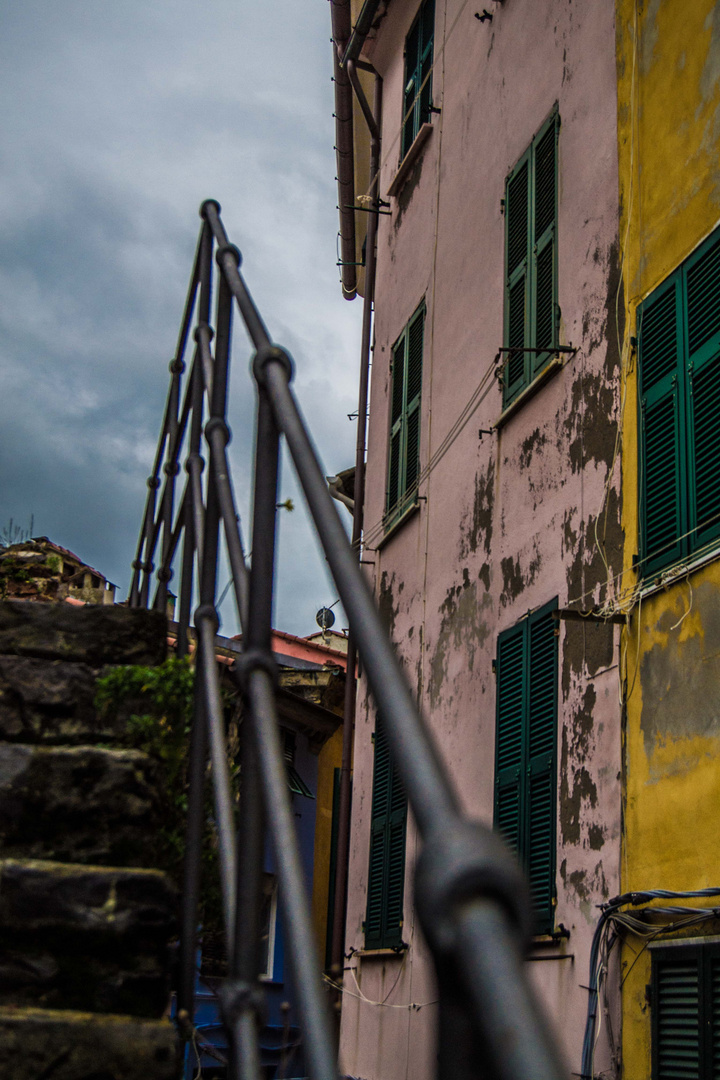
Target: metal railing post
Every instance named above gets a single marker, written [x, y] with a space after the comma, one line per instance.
[469, 893]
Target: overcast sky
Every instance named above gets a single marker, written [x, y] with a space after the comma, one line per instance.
[118, 119]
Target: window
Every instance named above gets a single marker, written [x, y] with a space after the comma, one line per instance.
[525, 752]
[531, 309]
[678, 329]
[404, 456]
[268, 919]
[417, 99]
[685, 1004]
[386, 876]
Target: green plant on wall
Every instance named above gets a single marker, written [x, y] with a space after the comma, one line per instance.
[157, 706]
[11, 570]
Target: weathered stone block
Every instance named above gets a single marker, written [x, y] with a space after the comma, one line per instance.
[65, 975]
[68, 1045]
[51, 701]
[78, 804]
[102, 904]
[95, 634]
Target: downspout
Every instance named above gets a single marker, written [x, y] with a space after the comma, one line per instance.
[343, 843]
[340, 13]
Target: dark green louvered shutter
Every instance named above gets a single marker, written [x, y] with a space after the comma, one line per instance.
[412, 85]
[517, 262]
[406, 393]
[541, 767]
[663, 514]
[396, 423]
[383, 921]
[544, 246]
[713, 1011]
[510, 736]
[417, 98]
[702, 290]
[427, 18]
[525, 752]
[395, 877]
[414, 387]
[531, 261]
[678, 1028]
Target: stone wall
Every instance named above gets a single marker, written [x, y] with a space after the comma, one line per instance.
[85, 920]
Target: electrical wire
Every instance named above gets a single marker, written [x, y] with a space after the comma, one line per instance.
[369, 1001]
[375, 531]
[648, 924]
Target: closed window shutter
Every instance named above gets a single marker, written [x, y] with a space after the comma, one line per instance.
[510, 736]
[702, 282]
[406, 394]
[395, 862]
[542, 709]
[396, 424]
[713, 1020]
[663, 513]
[427, 16]
[525, 753]
[544, 245]
[412, 85]
[678, 1035]
[517, 306]
[414, 388]
[417, 98]
[383, 922]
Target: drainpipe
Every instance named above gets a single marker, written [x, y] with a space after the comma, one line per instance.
[343, 848]
[340, 13]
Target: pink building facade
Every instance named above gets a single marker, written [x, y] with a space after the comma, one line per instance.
[492, 512]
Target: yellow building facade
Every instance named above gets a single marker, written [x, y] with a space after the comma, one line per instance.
[668, 54]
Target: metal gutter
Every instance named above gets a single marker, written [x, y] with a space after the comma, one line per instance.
[343, 843]
[360, 31]
[341, 28]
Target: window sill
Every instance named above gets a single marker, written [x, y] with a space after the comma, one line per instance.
[397, 524]
[547, 372]
[410, 158]
[663, 579]
[382, 953]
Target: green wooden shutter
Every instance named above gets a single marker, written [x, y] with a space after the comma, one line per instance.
[517, 261]
[397, 400]
[414, 387]
[713, 1013]
[412, 85]
[544, 250]
[663, 512]
[541, 766]
[395, 869]
[417, 98]
[678, 1034]
[525, 752]
[383, 922]
[406, 393]
[334, 828]
[427, 18]
[702, 290]
[510, 736]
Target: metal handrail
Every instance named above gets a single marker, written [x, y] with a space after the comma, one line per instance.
[471, 897]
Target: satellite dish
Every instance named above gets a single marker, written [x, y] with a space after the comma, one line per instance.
[325, 618]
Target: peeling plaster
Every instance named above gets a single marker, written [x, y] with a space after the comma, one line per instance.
[688, 656]
[461, 628]
[479, 523]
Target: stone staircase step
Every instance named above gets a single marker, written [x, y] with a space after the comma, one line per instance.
[95, 634]
[52, 702]
[65, 1045]
[119, 903]
[78, 804]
